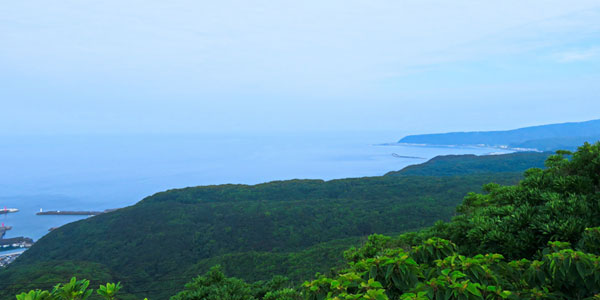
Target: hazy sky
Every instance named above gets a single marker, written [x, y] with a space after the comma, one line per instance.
[238, 65]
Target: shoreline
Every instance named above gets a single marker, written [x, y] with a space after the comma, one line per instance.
[451, 146]
[73, 212]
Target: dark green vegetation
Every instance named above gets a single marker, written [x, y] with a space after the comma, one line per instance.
[73, 290]
[547, 225]
[538, 239]
[216, 286]
[47, 275]
[294, 228]
[452, 165]
[544, 138]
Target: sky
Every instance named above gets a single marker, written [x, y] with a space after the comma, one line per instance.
[182, 66]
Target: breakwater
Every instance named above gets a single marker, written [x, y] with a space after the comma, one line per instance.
[72, 212]
[8, 210]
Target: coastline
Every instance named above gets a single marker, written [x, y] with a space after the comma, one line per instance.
[337, 162]
[449, 146]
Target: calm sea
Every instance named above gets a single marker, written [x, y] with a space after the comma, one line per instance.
[101, 172]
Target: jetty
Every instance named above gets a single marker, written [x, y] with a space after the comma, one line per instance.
[72, 212]
[8, 210]
[404, 156]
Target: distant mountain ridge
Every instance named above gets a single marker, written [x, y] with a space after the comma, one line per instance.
[542, 138]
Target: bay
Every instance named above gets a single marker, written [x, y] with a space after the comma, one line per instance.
[97, 172]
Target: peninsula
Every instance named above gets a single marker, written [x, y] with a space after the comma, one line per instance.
[536, 138]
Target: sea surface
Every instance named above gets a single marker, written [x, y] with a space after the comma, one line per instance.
[111, 171]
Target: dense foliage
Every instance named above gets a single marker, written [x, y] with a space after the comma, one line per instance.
[555, 204]
[556, 258]
[73, 290]
[216, 286]
[293, 228]
[46, 275]
[436, 270]
[547, 224]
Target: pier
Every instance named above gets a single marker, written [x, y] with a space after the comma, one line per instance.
[8, 210]
[404, 156]
[72, 212]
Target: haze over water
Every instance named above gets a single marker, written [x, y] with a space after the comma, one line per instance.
[101, 172]
[79, 76]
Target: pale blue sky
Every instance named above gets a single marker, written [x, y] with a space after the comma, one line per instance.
[237, 65]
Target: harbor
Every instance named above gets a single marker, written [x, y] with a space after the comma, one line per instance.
[7, 246]
[9, 256]
[12, 243]
[15, 243]
[11, 248]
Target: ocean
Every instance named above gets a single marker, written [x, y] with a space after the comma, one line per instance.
[97, 172]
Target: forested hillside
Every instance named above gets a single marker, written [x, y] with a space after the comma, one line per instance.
[452, 165]
[293, 228]
[538, 239]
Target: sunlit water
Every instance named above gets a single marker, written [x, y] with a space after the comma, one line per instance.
[100, 172]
